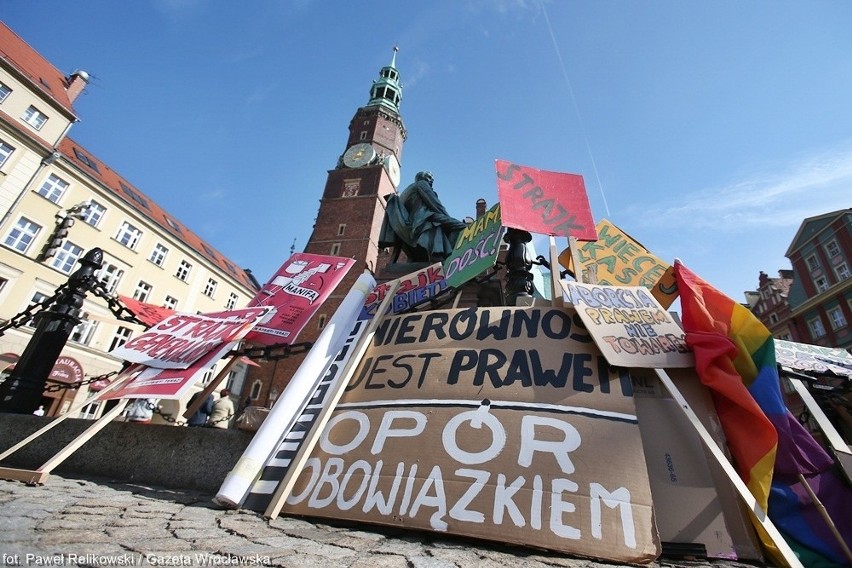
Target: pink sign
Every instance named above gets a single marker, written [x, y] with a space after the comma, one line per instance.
[549, 203]
[170, 384]
[66, 370]
[295, 293]
[181, 339]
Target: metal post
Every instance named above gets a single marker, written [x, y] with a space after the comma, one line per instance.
[21, 392]
[519, 263]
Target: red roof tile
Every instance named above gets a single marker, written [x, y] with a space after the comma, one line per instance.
[33, 67]
[127, 192]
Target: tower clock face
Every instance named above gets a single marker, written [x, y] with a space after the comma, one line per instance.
[359, 155]
[392, 167]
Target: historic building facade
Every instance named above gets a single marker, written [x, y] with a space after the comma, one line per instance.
[58, 201]
[769, 303]
[821, 295]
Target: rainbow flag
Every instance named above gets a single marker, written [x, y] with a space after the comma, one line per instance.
[735, 359]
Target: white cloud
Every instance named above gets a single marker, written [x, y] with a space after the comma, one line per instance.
[812, 185]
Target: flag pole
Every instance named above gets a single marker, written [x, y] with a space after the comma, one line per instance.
[335, 392]
[825, 516]
[756, 510]
[556, 293]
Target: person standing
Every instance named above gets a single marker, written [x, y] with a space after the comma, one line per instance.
[203, 413]
[39, 411]
[223, 410]
[141, 410]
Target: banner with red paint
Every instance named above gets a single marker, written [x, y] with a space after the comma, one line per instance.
[170, 384]
[549, 203]
[295, 293]
[181, 339]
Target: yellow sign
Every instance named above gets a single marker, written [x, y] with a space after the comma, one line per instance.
[616, 259]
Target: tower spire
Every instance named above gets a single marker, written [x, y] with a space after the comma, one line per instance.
[387, 91]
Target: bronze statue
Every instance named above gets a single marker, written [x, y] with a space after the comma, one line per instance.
[418, 224]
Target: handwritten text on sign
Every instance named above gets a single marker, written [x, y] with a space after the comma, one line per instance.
[181, 339]
[499, 423]
[414, 288]
[629, 326]
[476, 249]
[550, 203]
[621, 261]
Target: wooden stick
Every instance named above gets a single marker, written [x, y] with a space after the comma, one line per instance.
[575, 260]
[211, 386]
[756, 510]
[825, 517]
[335, 391]
[556, 288]
[456, 299]
[831, 434]
[87, 434]
[120, 380]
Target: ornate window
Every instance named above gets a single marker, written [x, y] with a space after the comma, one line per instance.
[183, 270]
[22, 235]
[34, 117]
[53, 188]
[67, 257]
[158, 255]
[128, 235]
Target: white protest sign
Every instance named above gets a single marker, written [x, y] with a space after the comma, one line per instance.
[630, 326]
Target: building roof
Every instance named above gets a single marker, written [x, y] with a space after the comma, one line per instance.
[89, 165]
[813, 225]
[33, 68]
[30, 67]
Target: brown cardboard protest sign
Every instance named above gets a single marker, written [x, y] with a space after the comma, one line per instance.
[503, 423]
[620, 260]
[630, 326]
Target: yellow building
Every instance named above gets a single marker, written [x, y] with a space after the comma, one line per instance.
[46, 178]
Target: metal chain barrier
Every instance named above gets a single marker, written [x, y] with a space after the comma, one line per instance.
[30, 311]
[119, 310]
[74, 386]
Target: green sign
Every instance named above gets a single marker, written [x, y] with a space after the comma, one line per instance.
[476, 250]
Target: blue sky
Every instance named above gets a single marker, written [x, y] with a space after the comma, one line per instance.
[706, 130]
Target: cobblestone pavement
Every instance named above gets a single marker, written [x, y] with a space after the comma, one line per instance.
[88, 522]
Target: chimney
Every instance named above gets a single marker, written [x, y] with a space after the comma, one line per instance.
[77, 81]
[480, 207]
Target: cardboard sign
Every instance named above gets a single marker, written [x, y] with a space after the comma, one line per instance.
[550, 203]
[618, 260]
[630, 327]
[501, 423]
[813, 358]
[295, 293]
[476, 250]
[170, 384]
[181, 339]
[413, 288]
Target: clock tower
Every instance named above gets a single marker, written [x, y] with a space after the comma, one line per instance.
[350, 215]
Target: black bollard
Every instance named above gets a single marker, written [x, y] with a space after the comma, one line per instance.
[519, 263]
[21, 392]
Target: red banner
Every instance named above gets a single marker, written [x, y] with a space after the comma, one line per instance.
[181, 339]
[295, 293]
[149, 314]
[170, 384]
[549, 203]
